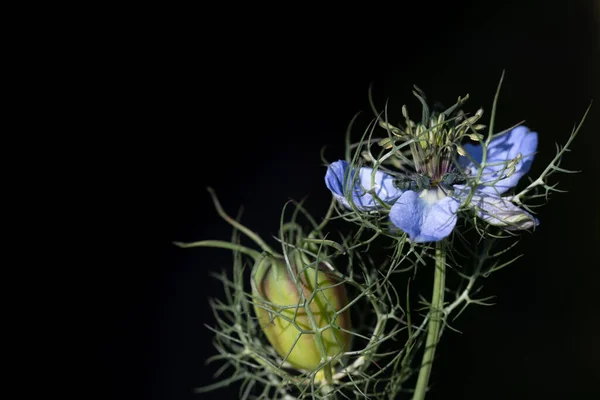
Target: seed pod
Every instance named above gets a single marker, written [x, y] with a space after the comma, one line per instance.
[278, 305]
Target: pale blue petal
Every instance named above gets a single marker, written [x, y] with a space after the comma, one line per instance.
[339, 175]
[426, 216]
[519, 141]
[499, 211]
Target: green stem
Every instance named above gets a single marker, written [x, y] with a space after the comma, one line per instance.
[319, 341]
[220, 244]
[237, 225]
[436, 314]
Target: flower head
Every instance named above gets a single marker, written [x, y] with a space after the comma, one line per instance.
[445, 177]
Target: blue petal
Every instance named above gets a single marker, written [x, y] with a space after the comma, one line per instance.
[426, 216]
[499, 211]
[501, 150]
[338, 178]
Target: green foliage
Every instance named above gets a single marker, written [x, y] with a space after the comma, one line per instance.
[388, 329]
[393, 326]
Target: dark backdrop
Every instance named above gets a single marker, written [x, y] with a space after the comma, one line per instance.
[243, 100]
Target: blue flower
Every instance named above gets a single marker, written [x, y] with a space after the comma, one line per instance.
[429, 215]
[340, 176]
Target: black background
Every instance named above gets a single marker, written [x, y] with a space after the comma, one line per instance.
[243, 99]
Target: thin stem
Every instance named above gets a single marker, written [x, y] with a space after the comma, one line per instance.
[436, 314]
[237, 225]
[554, 163]
[318, 337]
[326, 219]
[220, 244]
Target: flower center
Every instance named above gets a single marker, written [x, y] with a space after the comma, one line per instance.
[434, 143]
[419, 182]
[433, 195]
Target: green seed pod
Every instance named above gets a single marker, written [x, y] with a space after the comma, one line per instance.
[281, 305]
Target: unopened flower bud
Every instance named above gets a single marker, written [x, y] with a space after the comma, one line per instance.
[284, 311]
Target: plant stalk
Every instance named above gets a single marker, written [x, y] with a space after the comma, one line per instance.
[436, 314]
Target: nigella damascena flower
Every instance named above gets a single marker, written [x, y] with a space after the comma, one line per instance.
[427, 211]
